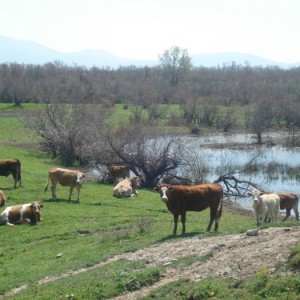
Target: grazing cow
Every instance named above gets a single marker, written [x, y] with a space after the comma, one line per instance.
[288, 202]
[127, 187]
[71, 178]
[118, 171]
[28, 213]
[265, 206]
[2, 198]
[182, 198]
[11, 166]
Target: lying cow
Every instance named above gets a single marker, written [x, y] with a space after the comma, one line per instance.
[127, 187]
[28, 213]
[11, 166]
[118, 171]
[265, 206]
[182, 198]
[289, 201]
[65, 177]
[2, 198]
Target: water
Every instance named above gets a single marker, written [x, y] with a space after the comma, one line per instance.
[277, 168]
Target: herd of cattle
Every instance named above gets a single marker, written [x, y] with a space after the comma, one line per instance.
[178, 198]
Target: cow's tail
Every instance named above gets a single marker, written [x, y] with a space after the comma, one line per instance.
[46, 188]
[220, 208]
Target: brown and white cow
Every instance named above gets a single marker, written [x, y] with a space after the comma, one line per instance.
[28, 213]
[11, 166]
[182, 198]
[118, 171]
[127, 187]
[2, 198]
[65, 177]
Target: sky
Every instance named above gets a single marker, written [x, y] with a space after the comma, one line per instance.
[144, 29]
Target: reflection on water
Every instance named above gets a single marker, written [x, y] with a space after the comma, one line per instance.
[274, 168]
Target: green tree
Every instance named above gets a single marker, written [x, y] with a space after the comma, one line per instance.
[176, 62]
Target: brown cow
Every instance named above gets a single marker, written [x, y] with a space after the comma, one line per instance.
[2, 198]
[289, 201]
[28, 213]
[182, 198]
[118, 171]
[65, 177]
[11, 166]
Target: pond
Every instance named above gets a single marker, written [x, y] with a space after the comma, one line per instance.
[274, 167]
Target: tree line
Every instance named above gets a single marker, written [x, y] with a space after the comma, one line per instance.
[266, 96]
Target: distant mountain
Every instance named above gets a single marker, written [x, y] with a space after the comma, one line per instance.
[12, 50]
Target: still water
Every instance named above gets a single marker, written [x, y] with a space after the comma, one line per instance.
[276, 168]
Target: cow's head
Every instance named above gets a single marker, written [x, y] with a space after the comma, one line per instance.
[255, 194]
[135, 181]
[79, 178]
[163, 190]
[2, 198]
[35, 211]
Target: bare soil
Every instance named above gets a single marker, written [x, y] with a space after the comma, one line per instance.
[235, 256]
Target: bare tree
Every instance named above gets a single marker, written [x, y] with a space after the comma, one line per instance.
[148, 155]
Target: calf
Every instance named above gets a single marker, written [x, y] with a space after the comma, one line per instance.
[11, 166]
[182, 198]
[265, 206]
[127, 187]
[28, 213]
[2, 198]
[65, 177]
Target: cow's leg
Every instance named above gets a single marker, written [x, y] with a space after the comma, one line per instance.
[175, 223]
[287, 214]
[296, 212]
[183, 218]
[212, 218]
[78, 194]
[71, 191]
[53, 190]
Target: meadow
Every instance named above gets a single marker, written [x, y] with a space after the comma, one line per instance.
[88, 234]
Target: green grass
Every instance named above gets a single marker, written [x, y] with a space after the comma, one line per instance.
[76, 235]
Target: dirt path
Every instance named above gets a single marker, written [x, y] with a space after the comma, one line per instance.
[236, 255]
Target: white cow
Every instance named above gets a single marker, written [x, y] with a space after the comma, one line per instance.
[265, 206]
[127, 187]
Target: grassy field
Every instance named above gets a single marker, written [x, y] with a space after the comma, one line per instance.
[76, 235]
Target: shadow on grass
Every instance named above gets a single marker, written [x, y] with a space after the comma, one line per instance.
[59, 200]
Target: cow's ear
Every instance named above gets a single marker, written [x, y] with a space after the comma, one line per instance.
[156, 188]
[170, 188]
[250, 194]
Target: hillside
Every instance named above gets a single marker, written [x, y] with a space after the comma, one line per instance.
[27, 52]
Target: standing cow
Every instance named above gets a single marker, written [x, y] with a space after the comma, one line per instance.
[2, 198]
[11, 166]
[182, 198]
[118, 171]
[28, 213]
[65, 177]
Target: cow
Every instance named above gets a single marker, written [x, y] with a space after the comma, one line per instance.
[265, 206]
[289, 201]
[11, 166]
[182, 198]
[65, 177]
[118, 171]
[2, 198]
[28, 213]
[127, 187]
